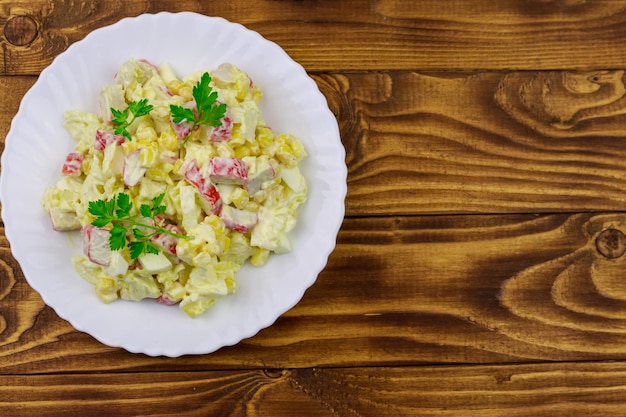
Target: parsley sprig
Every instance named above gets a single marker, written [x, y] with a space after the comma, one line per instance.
[121, 117]
[128, 229]
[208, 113]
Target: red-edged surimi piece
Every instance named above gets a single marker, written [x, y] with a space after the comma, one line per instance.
[169, 157]
[165, 300]
[183, 129]
[133, 172]
[96, 244]
[223, 132]
[154, 67]
[103, 138]
[166, 91]
[167, 242]
[223, 170]
[207, 190]
[239, 220]
[73, 164]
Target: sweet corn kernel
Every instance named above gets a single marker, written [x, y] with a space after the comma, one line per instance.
[158, 174]
[296, 147]
[168, 141]
[130, 146]
[148, 156]
[186, 91]
[107, 289]
[146, 133]
[174, 290]
[285, 155]
[175, 86]
[225, 150]
[259, 257]
[243, 151]
[240, 198]
[264, 137]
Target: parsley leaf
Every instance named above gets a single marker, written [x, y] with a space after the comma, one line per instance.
[117, 237]
[145, 210]
[181, 114]
[208, 112]
[120, 117]
[130, 230]
[158, 201]
[137, 248]
[100, 209]
[123, 206]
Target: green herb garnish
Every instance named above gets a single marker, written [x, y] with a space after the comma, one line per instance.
[128, 229]
[120, 117]
[208, 112]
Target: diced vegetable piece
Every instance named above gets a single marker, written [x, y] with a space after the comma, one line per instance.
[154, 263]
[133, 171]
[63, 220]
[260, 171]
[239, 220]
[111, 96]
[204, 186]
[113, 160]
[118, 265]
[137, 286]
[73, 164]
[228, 170]
[294, 179]
[96, 245]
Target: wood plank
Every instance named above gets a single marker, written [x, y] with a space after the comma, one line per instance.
[561, 389]
[491, 142]
[488, 142]
[396, 291]
[374, 35]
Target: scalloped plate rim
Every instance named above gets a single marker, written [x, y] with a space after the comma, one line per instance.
[337, 170]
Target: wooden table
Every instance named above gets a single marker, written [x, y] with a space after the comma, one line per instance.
[479, 268]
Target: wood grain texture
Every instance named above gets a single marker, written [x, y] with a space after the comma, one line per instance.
[360, 34]
[490, 142]
[485, 146]
[396, 291]
[503, 288]
[488, 391]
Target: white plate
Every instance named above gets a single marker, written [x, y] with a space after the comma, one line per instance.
[37, 144]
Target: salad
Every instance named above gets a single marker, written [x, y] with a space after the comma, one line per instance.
[175, 184]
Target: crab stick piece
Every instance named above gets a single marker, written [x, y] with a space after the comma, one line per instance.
[207, 190]
[73, 164]
[167, 242]
[224, 170]
[239, 220]
[103, 138]
[223, 132]
[96, 244]
[183, 129]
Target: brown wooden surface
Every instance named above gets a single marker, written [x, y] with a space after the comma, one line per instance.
[486, 147]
